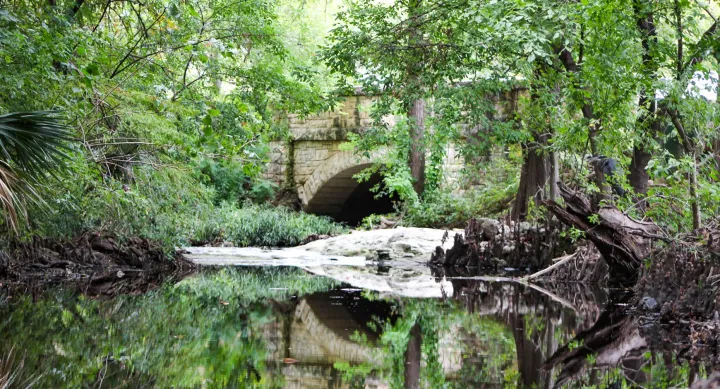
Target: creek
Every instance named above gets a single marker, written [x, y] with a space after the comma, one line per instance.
[331, 314]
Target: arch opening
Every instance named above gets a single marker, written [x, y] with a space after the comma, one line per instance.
[348, 201]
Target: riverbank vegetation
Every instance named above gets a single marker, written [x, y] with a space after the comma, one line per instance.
[167, 111]
[162, 114]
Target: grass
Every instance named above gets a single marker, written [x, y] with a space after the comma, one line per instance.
[249, 285]
[255, 225]
[11, 371]
[168, 206]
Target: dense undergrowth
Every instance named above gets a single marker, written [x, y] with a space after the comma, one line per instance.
[170, 207]
[171, 146]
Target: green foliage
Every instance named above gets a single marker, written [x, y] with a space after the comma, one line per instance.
[172, 106]
[169, 206]
[491, 198]
[255, 225]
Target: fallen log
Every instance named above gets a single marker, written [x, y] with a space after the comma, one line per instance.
[622, 241]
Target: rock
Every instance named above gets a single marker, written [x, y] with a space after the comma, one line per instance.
[383, 254]
[648, 303]
[227, 244]
[402, 247]
[713, 382]
[402, 243]
[524, 226]
[490, 228]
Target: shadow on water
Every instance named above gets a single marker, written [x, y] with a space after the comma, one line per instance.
[285, 327]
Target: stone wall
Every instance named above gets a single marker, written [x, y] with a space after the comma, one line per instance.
[302, 161]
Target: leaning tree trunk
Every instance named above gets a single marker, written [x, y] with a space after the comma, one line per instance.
[623, 242]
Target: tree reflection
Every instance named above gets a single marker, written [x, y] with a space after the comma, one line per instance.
[284, 327]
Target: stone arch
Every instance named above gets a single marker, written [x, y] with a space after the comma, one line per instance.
[336, 346]
[329, 186]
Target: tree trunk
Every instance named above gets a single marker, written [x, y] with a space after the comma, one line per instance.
[622, 241]
[638, 175]
[416, 114]
[413, 355]
[533, 177]
[416, 103]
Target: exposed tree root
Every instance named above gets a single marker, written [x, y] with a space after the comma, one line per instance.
[492, 244]
[97, 264]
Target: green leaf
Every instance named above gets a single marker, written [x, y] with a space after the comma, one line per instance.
[192, 11]
[92, 69]
[214, 112]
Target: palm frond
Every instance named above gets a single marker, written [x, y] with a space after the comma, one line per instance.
[9, 202]
[31, 144]
[11, 370]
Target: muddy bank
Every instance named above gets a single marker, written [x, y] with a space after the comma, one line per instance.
[98, 264]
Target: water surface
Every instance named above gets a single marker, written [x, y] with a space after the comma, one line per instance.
[333, 327]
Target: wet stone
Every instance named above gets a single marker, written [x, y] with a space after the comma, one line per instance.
[648, 303]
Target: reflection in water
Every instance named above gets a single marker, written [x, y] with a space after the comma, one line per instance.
[283, 327]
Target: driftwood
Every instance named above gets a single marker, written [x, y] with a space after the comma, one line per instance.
[622, 241]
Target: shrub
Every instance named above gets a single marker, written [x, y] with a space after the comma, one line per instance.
[442, 208]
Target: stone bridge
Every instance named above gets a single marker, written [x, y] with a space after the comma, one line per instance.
[312, 162]
[321, 331]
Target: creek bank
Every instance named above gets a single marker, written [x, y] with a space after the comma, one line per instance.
[494, 245]
[98, 264]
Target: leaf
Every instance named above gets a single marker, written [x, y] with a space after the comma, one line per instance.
[192, 11]
[202, 57]
[214, 112]
[92, 69]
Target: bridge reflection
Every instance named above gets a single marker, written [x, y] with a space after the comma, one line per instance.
[476, 336]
